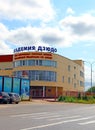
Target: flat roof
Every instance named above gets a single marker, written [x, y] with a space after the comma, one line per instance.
[6, 58]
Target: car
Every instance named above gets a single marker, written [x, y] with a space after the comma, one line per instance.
[4, 97]
[14, 97]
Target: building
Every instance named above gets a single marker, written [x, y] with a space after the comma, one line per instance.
[50, 74]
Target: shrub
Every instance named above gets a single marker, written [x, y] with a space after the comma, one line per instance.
[61, 98]
[84, 99]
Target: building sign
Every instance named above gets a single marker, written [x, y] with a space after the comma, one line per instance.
[34, 55]
[34, 48]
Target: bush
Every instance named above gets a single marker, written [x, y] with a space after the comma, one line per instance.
[61, 98]
[84, 99]
[67, 99]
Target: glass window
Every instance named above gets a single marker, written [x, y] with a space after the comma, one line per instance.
[31, 62]
[40, 62]
[69, 80]
[74, 76]
[69, 68]
[37, 75]
[81, 83]
[81, 74]
[74, 85]
[35, 62]
[63, 79]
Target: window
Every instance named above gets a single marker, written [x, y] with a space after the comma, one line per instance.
[23, 62]
[63, 79]
[81, 74]
[31, 62]
[38, 75]
[74, 76]
[74, 85]
[81, 83]
[69, 80]
[35, 63]
[69, 68]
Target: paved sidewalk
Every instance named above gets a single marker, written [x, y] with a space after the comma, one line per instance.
[47, 100]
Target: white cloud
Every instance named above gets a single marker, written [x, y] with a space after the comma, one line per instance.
[69, 31]
[74, 29]
[70, 11]
[3, 31]
[81, 28]
[4, 48]
[26, 9]
[33, 35]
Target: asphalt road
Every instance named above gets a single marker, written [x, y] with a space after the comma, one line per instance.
[47, 116]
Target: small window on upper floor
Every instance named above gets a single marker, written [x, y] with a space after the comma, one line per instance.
[69, 80]
[69, 67]
[75, 85]
[74, 76]
[63, 79]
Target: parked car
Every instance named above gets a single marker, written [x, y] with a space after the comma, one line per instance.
[14, 98]
[4, 97]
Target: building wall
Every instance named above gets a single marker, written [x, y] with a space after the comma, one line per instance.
[67, 72]
[6, 65]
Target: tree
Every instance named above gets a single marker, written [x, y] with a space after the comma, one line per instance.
[92, 89]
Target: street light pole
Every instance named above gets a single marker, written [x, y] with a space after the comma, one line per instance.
[91, 78]
[91, 72]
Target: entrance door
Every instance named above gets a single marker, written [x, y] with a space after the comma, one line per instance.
[36, 92]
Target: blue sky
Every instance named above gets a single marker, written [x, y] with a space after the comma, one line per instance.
[68, 25]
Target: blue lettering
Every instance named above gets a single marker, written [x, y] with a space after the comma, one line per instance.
[52, 50]
[14, 50]
[29, 48]
[39, 48]
[33, 48]
[44, 48]
[48, 49]
[55, 50]
[25, 48]
[21, 48]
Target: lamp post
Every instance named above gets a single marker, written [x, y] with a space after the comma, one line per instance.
[91, 63]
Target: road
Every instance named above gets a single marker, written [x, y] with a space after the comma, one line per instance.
[47, 116]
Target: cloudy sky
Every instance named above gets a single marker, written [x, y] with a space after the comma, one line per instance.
[68, 25]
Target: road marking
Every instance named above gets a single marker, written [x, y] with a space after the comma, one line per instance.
[43, 116]
[32, 114]
[50, 116]
[66, 117]
[56, 123]
[86, 123]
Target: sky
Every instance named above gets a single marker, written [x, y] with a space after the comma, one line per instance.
[68, 25]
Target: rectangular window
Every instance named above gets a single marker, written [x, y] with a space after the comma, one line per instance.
[63, 79]
[74, 85]
[81, 83]
[69, 80]
[81, 74]
[69, 68]
[31, 62]
[74, 76]
[37, 62]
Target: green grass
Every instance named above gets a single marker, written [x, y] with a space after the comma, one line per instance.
[85, 99]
